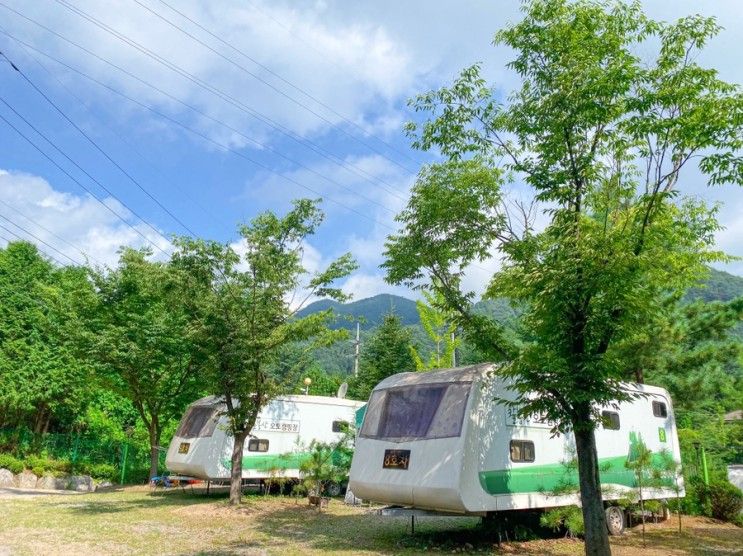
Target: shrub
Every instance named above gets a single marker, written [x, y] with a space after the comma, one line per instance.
[569, 517]
[726, 500]
[41, 465]
[100, 471]
[11, 463]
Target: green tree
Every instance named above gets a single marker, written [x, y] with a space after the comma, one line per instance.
[242, 312]
[143, 342]
[44, 378]
[601, 138]
[440, 330]
[387, 352]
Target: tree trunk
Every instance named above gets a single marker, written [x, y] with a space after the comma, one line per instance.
[236, 475]
[154, 447]
[592, 504]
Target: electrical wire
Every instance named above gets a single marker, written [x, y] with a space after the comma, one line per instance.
[37, 238]
[124, 38]
[53, 234]
[283, 130]
[80, 184]
[221, 146]
[267, 69]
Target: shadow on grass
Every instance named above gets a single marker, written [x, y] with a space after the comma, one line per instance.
[329, 531]
[94, 505]
[723, 539]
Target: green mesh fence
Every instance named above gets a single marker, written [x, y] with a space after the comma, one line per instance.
[83, 452]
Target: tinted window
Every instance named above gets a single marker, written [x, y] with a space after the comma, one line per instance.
[610, 420]
[416, 412]
[340, 426]
[522, 450]
[199, 421]
[257, 445]
[659, 409]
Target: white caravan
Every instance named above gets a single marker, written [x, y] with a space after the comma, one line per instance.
[438, 441]
[277, 445]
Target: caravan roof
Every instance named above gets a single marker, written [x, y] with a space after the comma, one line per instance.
[461, 374]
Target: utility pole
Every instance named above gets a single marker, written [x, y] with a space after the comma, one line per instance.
[357, 345]
[453, 352]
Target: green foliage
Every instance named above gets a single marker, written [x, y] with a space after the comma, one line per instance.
[440, 330]
[329, 462]
[601, 137]
[143, 341]
[726, 500]
[11, 463]
[45, 380]
[241, 315]
[386, 352]
[568, 517]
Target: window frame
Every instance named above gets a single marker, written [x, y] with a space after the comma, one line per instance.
[208, 425]
[522, 442]
[660, 409]
[608, 417]
[254, 445]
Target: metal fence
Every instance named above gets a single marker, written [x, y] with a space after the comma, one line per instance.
[131, 464]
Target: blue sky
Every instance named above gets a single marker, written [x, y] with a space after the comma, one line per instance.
[259, 140]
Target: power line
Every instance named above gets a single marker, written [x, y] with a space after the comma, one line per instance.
[75, 180]
[218, 144]
[93, 142]
[37, 238]
[19, 238]
[143, 189]
[119, 136]
[266, 68]
[50, 232]
[124, 38]
[212, 90]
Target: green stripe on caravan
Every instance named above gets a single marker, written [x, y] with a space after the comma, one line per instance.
[547, 478]
[271, 462]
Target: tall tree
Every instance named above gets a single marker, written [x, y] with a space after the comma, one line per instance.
[386, 353]
[143, 343]
[44, 378]
[601, 137]
[440, 329]
[244, 307]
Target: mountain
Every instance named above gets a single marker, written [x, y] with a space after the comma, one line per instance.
[370, 311]
[719, 286]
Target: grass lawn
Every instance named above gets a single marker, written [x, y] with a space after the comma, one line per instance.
[132, 521]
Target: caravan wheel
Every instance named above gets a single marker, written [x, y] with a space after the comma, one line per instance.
[333, 489]
[615, 520]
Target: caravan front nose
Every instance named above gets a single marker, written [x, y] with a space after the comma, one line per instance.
[409, 450]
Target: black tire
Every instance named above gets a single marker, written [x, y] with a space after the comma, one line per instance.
[615, 520]
[333, 489]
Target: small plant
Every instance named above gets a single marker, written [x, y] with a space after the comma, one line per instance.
[11, 463]
[640, 461]
[327, 463]
[568, 517]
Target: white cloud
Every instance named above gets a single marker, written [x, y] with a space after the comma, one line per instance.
[74, 226]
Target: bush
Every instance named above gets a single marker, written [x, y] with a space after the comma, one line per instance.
[41, 465]
[100, 471]
[569, 517]
[726, 500]
[11, 463]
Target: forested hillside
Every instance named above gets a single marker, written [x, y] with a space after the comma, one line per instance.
[369, 312]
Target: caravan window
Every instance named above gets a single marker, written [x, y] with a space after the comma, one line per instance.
[659, 409]
[610, 420]
[340, 426]
[257, 445]
[522, 450]
[199, 421]
[416, 412]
